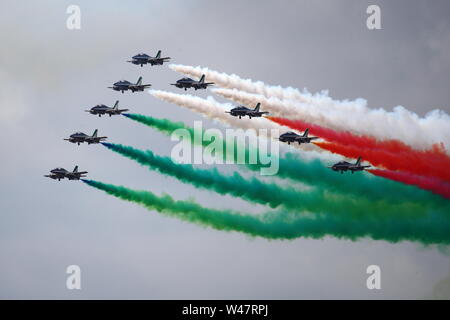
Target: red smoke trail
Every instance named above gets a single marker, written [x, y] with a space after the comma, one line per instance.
[431, 184]
[406, 162]
[389, 154]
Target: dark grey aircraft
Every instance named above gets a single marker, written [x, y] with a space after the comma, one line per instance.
[61, 173]
[142, 58]
[242, 111]
[190, 83]
[80, 137]
[293, 137]
[102, 109]
[124, 85]
[345, 166]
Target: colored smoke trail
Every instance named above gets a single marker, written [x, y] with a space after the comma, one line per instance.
[235, 82]
[389, 154]
[392, 161]
[420, 133]
[431, 229]
[359, 184]
[271, 194]
[250, 189]
[315, 172]
[164, 125]
[212, 109]
[434, 185]
[169, 127]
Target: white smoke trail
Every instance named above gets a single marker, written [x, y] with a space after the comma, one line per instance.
[399, 124]
[212, 109]
[235, 82]
[319, 108]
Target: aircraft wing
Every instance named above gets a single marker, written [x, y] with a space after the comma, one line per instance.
[79, 173]
[257, 113]
[96, 138]
[141, 86]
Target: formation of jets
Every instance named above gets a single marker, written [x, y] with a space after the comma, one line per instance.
[101, 109]
[184, 83]
[243, 111]
[187, 83]
[80, 137]
[61, 173]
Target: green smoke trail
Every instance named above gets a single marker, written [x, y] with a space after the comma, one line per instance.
[431, 229]
[254, 190]
[315, 173]
[164, 125]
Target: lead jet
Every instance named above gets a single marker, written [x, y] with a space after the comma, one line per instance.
[345, 166]
[294, 137]
[190, 83]
[242, 111]
[80, 137]
[124, 85]
[102, 109]
[142, 58]
[61, 173]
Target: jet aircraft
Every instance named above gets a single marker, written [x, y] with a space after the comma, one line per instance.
[190, 83]
[294, 137]
[102, 109]
[124, 85]
[80, 137]
[345, 166]
[242, 111]
[61, 173]
[142, 58]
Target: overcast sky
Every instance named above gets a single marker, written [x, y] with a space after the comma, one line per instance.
[49, 75]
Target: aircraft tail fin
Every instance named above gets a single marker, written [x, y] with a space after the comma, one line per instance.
[139, 82]
[75, 170]
[158, 55]
[116, 105]
[202, 79]
[257, 107]
[94, 135]
[358, 162]
[306, 133]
